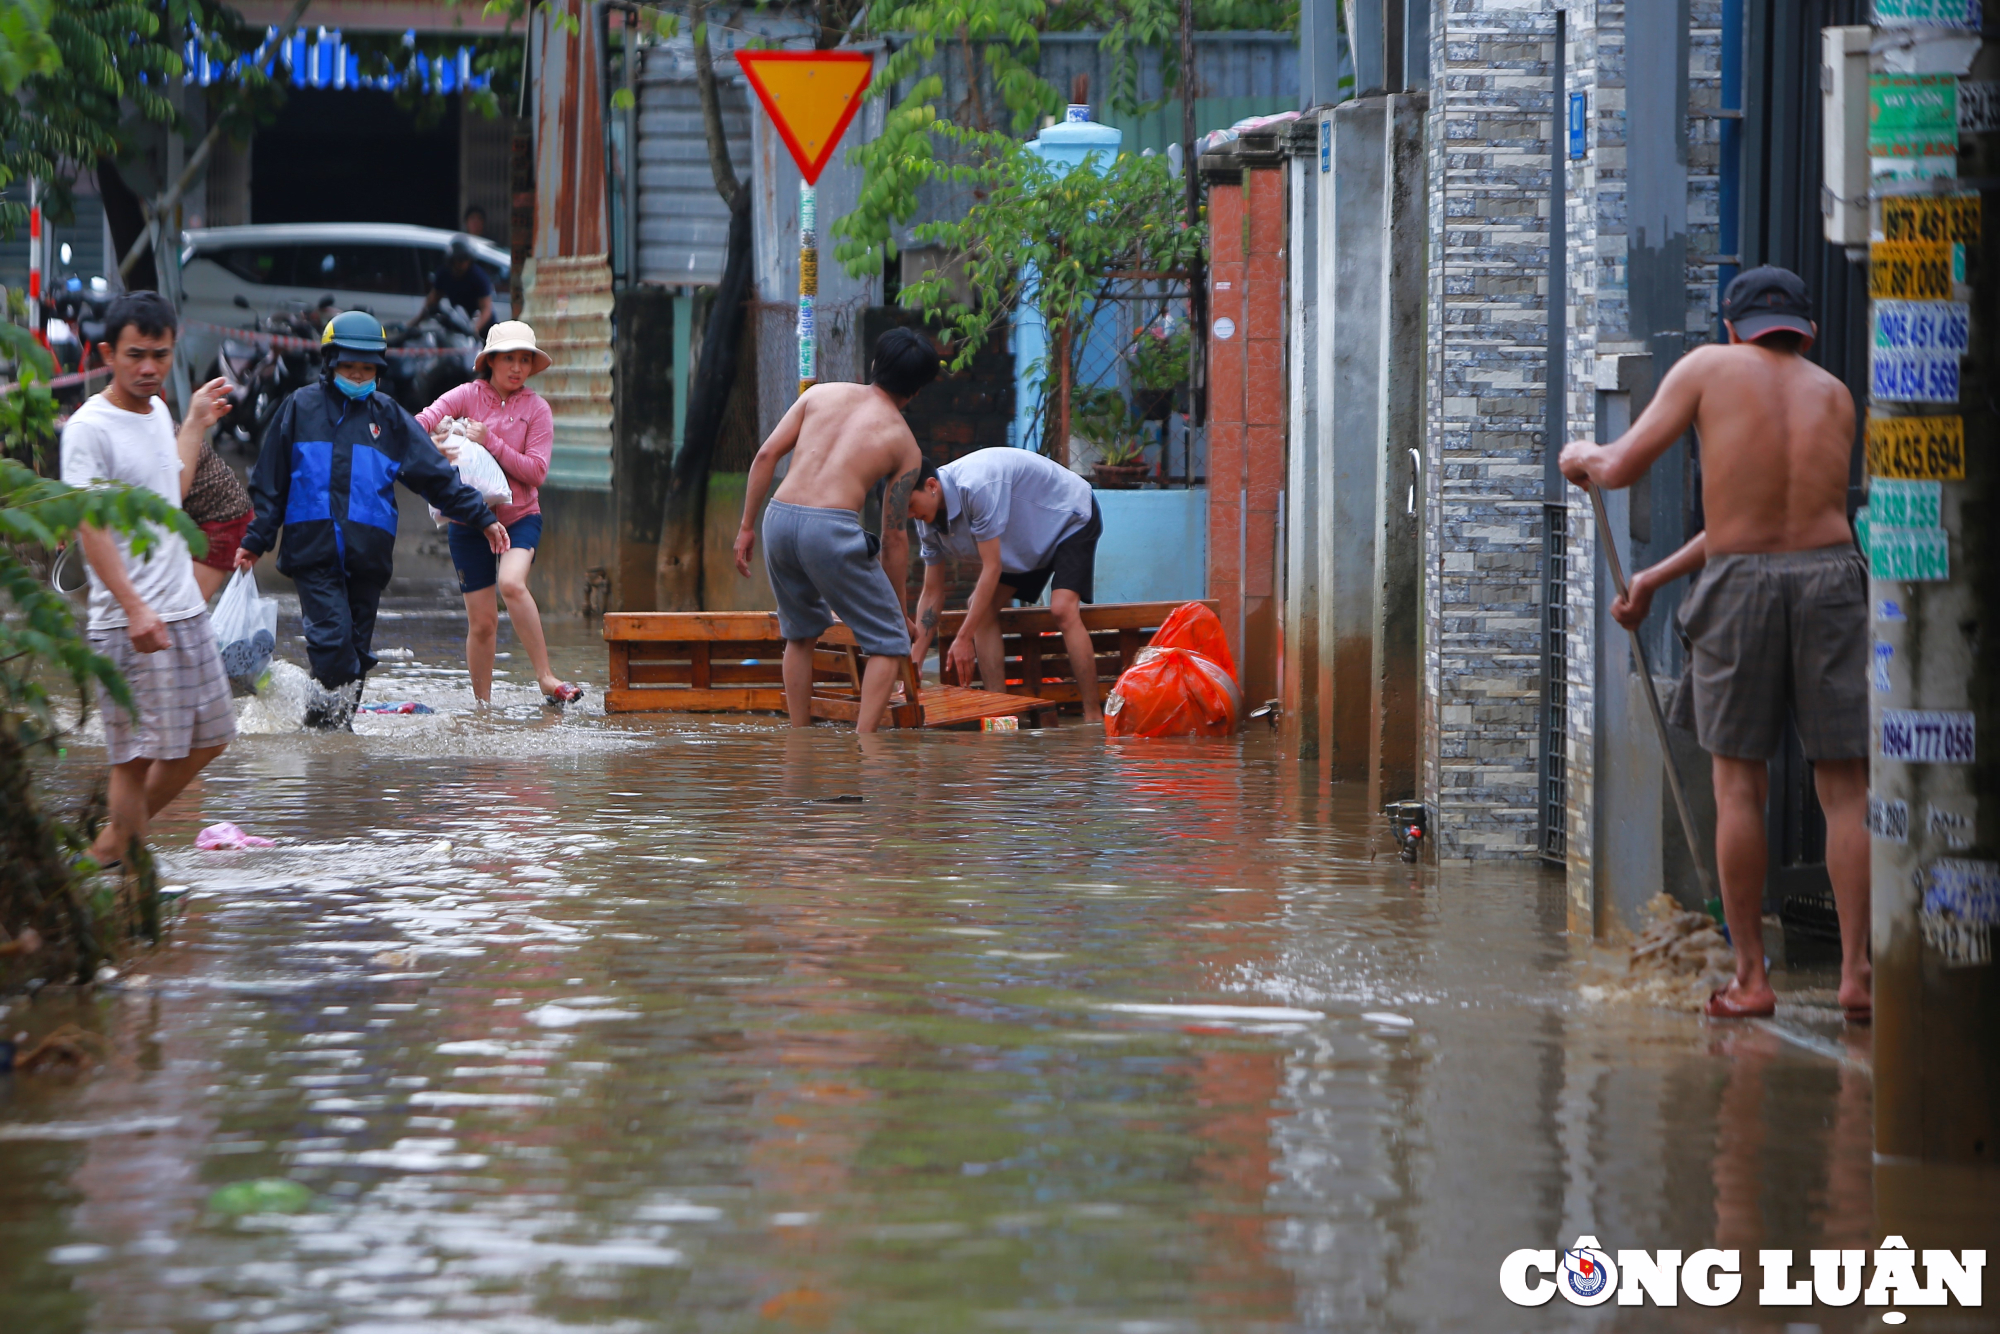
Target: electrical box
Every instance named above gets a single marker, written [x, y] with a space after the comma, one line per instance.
[1843, 82]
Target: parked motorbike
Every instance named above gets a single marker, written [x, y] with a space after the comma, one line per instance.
[261, 375]
[417, 382]
[80, 313]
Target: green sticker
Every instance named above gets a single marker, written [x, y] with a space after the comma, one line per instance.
[1912, 554]
[1904, 504]
[1912, 115]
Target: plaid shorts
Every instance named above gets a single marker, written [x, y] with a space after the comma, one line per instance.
[182, 694]
[1776, 633]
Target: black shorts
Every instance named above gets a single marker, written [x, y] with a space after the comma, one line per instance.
[1074, 564]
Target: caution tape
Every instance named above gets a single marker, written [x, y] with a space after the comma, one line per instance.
[66, 379]
[290, 343]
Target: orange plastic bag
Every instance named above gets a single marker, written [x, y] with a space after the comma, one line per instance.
[1173, 692]
[1194, 626]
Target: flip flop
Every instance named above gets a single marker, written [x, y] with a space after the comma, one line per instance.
[1859, 1015]
[566, 693]
[1720, 1006]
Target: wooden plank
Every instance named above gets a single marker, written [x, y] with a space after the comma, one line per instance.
[1096, 616]
[719, 674]
[620, 667]
[698, 661]
[691, 626]
[1129, 644]
[642, 700]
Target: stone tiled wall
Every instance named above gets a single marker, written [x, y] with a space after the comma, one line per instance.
[1488, 146]
[1599, 322]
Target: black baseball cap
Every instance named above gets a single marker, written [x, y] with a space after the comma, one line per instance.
[1768, 300]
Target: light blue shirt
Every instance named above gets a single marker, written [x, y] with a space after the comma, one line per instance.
[1031, 503]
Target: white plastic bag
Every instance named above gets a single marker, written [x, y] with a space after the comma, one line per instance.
[477, 468]
[246, 629]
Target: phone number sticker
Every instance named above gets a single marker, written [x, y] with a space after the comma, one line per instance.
[1889, 820]
[1913, 375]
[1905, 504]
[1942, 325]
[1917, 448]
[1936, 219]
[1916, 555]
[1961, 906]
[1914, 270]
[1926, 736]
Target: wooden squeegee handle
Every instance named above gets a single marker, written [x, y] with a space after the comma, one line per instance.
[1653, 701]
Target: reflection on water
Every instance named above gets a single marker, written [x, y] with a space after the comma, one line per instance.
[649, 1024]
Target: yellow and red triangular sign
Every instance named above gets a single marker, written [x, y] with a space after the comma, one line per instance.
[811, 96]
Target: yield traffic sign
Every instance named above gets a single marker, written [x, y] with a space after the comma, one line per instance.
[811, 96]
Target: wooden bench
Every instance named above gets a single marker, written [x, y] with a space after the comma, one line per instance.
[1038, 663]
[733, 662]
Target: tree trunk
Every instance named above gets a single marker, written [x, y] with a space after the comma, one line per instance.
[686, 512]
[127, 218]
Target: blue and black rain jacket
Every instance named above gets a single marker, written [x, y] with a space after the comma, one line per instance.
[327, 473]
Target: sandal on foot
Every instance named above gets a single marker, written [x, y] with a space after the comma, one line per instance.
[1859, 1015]
[1722, 1006]
[565, 693]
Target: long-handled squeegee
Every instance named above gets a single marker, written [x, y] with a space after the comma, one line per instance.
[1653, 700]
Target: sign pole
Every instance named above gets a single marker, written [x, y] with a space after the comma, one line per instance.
[811, 97]
[808, 283]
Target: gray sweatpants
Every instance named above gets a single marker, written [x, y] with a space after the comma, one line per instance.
[823, 558]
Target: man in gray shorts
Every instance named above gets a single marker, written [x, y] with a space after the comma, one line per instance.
[1778, 619]
[842, 439]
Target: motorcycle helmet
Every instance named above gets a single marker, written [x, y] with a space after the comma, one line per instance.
[353, 335]
[460, 248]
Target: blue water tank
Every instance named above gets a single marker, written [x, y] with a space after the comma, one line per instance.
[1075, 138]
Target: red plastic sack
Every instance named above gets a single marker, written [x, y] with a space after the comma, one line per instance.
[1173, 692]
[1194, 626]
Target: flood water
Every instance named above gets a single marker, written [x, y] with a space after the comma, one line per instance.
[679, 1024]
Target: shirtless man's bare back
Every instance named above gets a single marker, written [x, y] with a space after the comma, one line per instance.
[842, 439]
[1779, 618]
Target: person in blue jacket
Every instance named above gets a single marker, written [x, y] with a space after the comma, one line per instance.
[327, 473]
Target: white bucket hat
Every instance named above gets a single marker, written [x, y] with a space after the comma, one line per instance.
[511, 336]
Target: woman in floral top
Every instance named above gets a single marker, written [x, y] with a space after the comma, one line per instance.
[513, 423]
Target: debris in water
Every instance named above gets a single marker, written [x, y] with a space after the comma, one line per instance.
[68, 1048]
[1675, 962]
[395, 706]
[271, 1195]
[226, 837]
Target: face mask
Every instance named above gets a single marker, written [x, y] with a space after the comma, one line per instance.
[354, 391]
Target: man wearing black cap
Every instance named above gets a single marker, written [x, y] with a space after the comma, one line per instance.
[1778, 619]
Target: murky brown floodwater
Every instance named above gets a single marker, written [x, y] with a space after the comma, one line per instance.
[640, 1024]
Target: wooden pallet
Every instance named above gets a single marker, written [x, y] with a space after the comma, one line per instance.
[733, 662]
[1038, 663]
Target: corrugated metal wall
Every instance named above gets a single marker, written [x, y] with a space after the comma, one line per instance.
[1238, 74]
[683, 224]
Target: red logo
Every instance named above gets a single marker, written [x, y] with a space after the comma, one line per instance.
[374, 430]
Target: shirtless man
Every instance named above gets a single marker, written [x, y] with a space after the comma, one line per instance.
[846, 437]
[1779, 619]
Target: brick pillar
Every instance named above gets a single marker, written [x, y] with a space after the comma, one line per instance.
[1246, 402]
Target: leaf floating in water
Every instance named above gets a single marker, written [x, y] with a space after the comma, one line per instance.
[848, 800]
[271, 1195]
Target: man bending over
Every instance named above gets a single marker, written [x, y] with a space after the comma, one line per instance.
[843, 438]
[1779, 616]
[1031, 524]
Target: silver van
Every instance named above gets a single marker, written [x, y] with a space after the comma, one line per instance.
[232, 277]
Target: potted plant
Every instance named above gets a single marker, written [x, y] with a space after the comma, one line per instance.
[1107, 429]
[1159, 356]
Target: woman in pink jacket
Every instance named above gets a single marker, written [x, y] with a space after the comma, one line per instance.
[515, 426]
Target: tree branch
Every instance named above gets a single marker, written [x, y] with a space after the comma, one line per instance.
[719, 164]
[164, 206]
